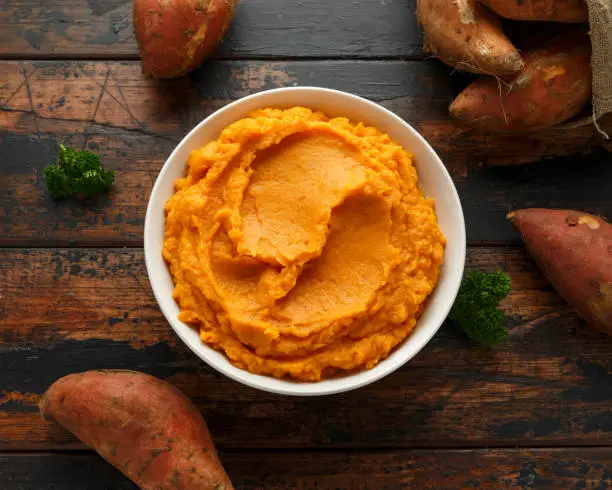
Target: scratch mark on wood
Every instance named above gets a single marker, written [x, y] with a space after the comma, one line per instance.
[5, 102]
[126, 107]
[111, 95]
[32, 110]
[103, 125]
[95, 113]
[102, 90]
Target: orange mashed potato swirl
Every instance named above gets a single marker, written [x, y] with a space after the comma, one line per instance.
[301, 246]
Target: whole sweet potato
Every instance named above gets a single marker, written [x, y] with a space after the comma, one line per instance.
[547, 10]
[143, 426]
[554, 86]
[574, 251]
[176, 36]
[466, 35]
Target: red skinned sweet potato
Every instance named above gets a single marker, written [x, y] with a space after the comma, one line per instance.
[466, 35]
[176, 36]
[546, 10]
[143, 426]
[574, 251]
[554, 86]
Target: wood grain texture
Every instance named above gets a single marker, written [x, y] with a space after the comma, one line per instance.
[135, 124]
[66, 311]
[420, 469]
[260, 28]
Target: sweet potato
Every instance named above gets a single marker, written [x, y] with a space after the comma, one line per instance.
[143, 426]
[176, 36]
[466, 35]
[554, 86]
[547, 10]
[574, 251]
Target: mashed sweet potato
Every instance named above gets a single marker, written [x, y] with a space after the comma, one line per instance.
[301, 245]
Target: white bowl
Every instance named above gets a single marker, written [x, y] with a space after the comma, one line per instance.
[433, 179]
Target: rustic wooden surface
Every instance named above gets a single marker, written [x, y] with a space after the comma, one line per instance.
[135, 123]
[260, 29]
[550, 385]
[418, 469]
[74, 294]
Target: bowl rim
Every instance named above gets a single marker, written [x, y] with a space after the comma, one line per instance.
[288, 387]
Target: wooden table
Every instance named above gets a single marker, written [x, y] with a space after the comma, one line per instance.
[535, 412]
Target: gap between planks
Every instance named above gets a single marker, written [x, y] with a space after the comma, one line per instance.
[342, 450]
[135, 57]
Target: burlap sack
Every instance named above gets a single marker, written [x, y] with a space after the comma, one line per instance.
[600, 21]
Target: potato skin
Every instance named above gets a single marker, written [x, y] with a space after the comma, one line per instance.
[143, 426]
[466, 35]
[554, 86]
[176, 36]
[574, 251]
[546, 10]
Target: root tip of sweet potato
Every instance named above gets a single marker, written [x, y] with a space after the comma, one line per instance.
[42, 405]
[45, 411]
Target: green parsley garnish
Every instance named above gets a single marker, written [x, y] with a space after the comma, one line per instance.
[78, 173]
[475, 309]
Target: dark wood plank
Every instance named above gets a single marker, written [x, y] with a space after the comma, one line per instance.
[422, 469]
[65, 311]
[260, 28]
[135, 124]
